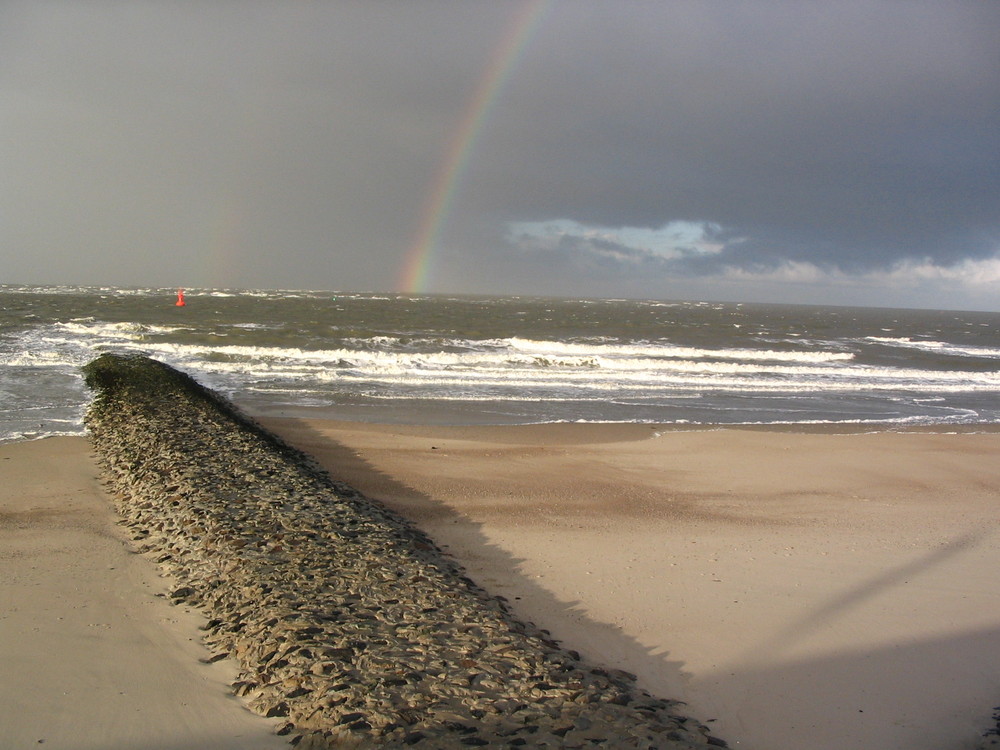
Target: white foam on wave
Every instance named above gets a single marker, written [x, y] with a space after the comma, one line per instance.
[938, 347]
[36, 359]
[513, 362]
[127, 330]
[666, 350]
[18, 436]
[397, 367]
[535, 364]
[433, 382]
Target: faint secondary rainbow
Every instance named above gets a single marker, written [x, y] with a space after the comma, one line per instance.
[227, 225]
[434, 214]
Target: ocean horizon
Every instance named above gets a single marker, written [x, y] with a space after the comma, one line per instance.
[474, 359]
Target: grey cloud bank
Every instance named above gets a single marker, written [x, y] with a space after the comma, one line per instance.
[840, 153]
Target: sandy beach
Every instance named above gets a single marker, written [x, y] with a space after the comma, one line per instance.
[797, 590]
[829, 591]
[93, 656]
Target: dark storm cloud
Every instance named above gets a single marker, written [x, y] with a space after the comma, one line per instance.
[259, 144]
[849, 134]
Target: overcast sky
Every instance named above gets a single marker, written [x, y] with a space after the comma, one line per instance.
[835, 152]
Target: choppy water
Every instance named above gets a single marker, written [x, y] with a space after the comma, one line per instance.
[492, 360]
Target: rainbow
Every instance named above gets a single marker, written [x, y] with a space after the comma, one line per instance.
[226, 224]
[419, 257]
[225, 239]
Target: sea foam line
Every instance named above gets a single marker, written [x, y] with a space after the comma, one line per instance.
[938, 347]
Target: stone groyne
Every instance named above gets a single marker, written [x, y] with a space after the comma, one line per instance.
[342, 617]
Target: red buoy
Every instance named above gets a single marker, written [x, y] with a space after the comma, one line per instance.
[180, 298]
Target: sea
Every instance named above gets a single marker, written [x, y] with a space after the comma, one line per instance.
[454, 359]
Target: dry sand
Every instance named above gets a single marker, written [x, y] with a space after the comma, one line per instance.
[822, 591]
[92, 656]
[803, 590]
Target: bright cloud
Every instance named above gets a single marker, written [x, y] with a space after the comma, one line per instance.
[697, 254]
[979, 278]
[976, 273]
[676, 239]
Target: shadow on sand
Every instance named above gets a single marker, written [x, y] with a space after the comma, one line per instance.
[785, 703]
[343, 464]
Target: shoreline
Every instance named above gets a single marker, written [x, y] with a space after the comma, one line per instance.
[439, 414]
[264, 413]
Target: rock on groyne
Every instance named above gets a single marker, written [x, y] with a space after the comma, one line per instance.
[340, 615]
